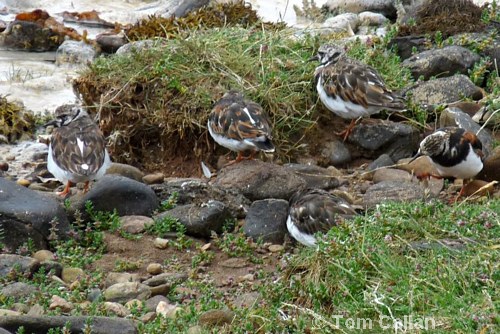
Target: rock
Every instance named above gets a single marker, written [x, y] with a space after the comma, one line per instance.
[371, 19]
[115, 278]
[62, 304]
[444, 90]
[453, 116]
[18, 290]
[116, 309]
[123, 292]
[167, 310]
[389, 174]
[154, 268]
[234, 262]
[491, 167]
[343, 22]
[72, 274]
[75, 52]
[135, 224]
[197, 191]
[36, 310]
[110, 42]
[247, 300]
[161, 243]
[23, 182]
[94, 294]
[166, 278]
[27, 215]
[473, 188]
[20, 307]
[44, 255]
[52, 267]
[153, 178]
[266, 219]
[125, 170]
[148, 317]
[444, 62]
[397, 140]
[193, 330]
[385, 7]
[113, 192]
[334, 153]
[396, 191]
[276, 248]
[139, 46]
[216, 317]
[77, 325]
[4, 166]
[153, 302]
[162, 290]
[259, 180]
[134, 304]
[29, 36]
[383, 160]
[6, 313]
[200, 220]
[22, 265]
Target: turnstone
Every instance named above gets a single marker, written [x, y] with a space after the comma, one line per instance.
[454, 151]
[240, 125]
[315, 210]
[77, 149]
[351, 89]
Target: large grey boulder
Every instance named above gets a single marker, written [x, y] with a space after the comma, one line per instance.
[266, 220]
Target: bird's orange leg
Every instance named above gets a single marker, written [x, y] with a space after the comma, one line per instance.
[66, 190]
[86, 187]
[347, 132]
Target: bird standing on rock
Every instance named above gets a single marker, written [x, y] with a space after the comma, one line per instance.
[240, 125]
[77, 149]
[315, 210]
[455, 152]
[351, 89]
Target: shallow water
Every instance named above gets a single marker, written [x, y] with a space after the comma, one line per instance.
[34, 79]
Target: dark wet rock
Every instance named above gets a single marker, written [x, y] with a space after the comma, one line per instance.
[123, 292]
[4, 166]
[125, 170]
[266, 219]
[315, 176]
[491, 167]
[383, 160]
[334, 153]
[75, 52]
[18, 290]
[113, 192]
[29, 36]
[444, 90]
[77, 325]
[453, 116]
[197, 191]
[442, 62]
[200, 220]
[259, 180]
[12, 263]
[397, 140]
[216, 317]
[26, 214]
[385, 7]
[110, 43]
[396, 191]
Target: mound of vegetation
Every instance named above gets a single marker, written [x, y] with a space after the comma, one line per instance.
[14, 121]
[448, 17]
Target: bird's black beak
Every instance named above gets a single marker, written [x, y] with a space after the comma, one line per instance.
[415, 157]
[315, 58]
[52, 122]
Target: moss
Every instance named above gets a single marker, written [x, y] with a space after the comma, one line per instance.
[448, 17]
[212, 16]
[15, 122]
